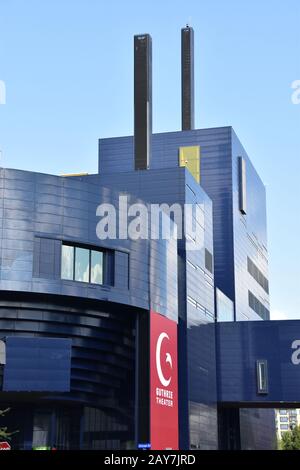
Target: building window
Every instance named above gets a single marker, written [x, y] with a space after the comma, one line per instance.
[225, 309]
[283, 412]
[262, 376]
[81, 264]
[242, 185]
[258, 307]
[96, 267]
[67, 262]
[208, 261]
[283, 419]
[284, 427]
[258, 275]
[2, 353]
[190, 158]
[42, 425]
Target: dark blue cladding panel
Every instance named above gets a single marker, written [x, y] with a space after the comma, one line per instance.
[250, 236]
[116, 156]
[236, 236]
[241, 344]
[37, 364]
[168, 183]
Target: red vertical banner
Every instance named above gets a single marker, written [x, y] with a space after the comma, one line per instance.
[163, 383]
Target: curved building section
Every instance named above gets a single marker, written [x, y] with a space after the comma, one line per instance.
[40, 213]
[59, 281]
[102, 369]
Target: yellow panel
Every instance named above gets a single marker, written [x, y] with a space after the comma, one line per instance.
[190, 158]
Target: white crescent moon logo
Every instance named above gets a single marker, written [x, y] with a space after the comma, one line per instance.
[165, 382]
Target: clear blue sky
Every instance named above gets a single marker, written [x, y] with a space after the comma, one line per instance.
[68, 69]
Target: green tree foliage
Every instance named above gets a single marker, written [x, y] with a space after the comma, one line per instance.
[291, 439]
[4, 434]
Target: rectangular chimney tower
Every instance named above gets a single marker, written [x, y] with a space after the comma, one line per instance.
[187, 78]
[142, 100]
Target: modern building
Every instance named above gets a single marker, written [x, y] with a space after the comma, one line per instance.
[110, 342]
[286, 420]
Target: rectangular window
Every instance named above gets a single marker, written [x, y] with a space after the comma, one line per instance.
[258, 275]
[283, 412]
[283, 419]
[190, 158]
[262, 376]
[42, 430]
[96, 267]
[242, 185]
[67, 262]
[82, 264]
[258, 307]
[284, 427]
[225, 308]
[208, 261]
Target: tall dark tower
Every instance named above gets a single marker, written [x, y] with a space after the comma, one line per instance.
[142, 100]
[187, 78]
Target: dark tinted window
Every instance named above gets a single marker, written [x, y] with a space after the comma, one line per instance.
[208, 261]
[258, 275]
[258, 307]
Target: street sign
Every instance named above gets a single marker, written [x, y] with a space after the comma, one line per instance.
[4, 445]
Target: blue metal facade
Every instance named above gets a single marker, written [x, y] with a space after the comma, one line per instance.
[237, 237]
[241, 345]
[37, 364]
[195, 298]
[250, 237]
[39, 213]
[116, 155]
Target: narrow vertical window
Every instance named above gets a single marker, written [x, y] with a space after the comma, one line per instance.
[96, 267]
[82, 265]
[190, 158]
[262, 376]
[208, 261]
[67, 262]
[2, 353]
[242, 185]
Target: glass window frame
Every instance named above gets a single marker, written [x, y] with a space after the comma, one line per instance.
[91, 267]
[85, 252]
[89, 250]
[284, 427]
[224, 307]
[262, 381]
[73, 262]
